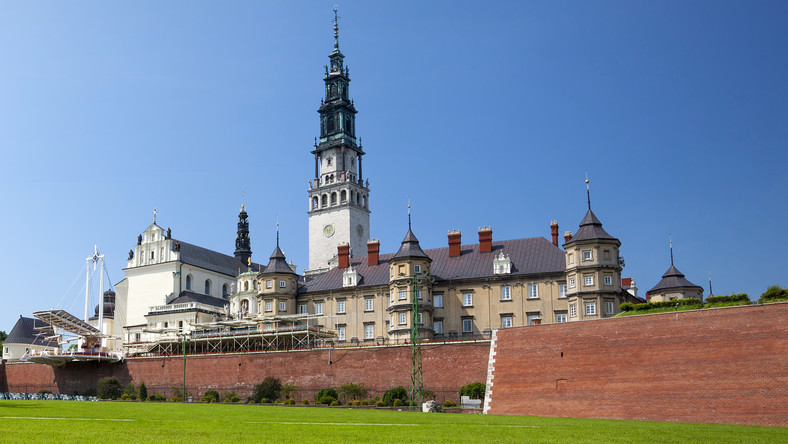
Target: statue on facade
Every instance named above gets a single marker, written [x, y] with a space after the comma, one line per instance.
[131, 254]
[139, 239]
[169, 233]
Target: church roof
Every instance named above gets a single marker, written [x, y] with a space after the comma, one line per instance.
[673, 278]
[190, 296]
[531, 256]
[211, 260]
[410, 247]
[24, 332]
[591, 229]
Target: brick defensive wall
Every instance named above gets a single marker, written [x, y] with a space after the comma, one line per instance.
[726, 365]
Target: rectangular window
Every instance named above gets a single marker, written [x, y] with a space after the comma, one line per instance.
[341, 333]
[438, 300]
[319, 308]
[438, 327]
[562, 291]
[137, 337]
[571, 282]
[560, 317]
[402, 294]
[283, 306]
[340, 306]
[268, 326]
[403, 318]
[368, 304]
[587, 256]
[421, 319]
[533, 291]
[588, 280]
[506, 293]
[608, 308]
[418, 294]
[506, 321]
[590, 308]
[282, 284]
[573, 311]
[417, 268]
[608, 280]
[467, 300]
[467, 325]
[302, 309]
[267, 305]
[268, 284]
[369, 331]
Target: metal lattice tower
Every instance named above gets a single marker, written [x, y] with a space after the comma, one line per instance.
[415, 349]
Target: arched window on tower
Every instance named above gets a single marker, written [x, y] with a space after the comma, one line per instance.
[330, 124]
[333, 91]
[343, 196]
[188, 282]
[224, 290]
[314, 202]
[324, 199]
[334, 198]
[207, 286]
[365, 201]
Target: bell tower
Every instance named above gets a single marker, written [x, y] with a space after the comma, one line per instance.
[338, 194]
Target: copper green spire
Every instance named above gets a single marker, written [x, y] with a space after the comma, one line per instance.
[336, 30]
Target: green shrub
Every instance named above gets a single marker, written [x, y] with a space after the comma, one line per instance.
[668, 304]
[353, 391]
[109, 388]
[334, 403]
[156, 397]
[380, 404]
[143, 392]
[44, 392]
[130, 391]
[305, 402]
[330, 392]
[210, 396]
[736, 297]
[364, 402]
[289, 390]
[270, 388]
[627, 306]
[397, 402]
[474, 390]
[124, 397]
[395, 393]
[774, 294]
[232, 397]
[448, 404]
[290, 401]
[265, 401]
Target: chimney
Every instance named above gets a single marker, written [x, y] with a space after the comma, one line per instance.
[567, 236]
[554, 231]
[485, 239]
[455, 241]
[343, 251]
[373, 252]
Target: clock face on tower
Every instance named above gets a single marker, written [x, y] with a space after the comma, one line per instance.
[328, 230]
[359, 230]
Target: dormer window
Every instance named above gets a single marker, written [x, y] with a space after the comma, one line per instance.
[502, 264]
[350, 277]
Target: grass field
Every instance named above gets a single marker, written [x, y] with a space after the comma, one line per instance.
[98, 422]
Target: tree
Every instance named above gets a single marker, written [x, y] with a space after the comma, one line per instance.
[3, 336]
[269, 389]
[289, 390]
[774, 294]
[143, 392]
[109, 388]
[396, 393]
[474, 390]
[326, 396]
[353, 391]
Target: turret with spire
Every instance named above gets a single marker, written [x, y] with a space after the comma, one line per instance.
[243, 250]
[674, 285]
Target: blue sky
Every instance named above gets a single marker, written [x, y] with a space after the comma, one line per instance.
[484, 114]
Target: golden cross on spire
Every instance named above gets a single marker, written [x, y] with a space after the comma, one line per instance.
[155, 212]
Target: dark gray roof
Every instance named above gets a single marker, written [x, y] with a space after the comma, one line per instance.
[591, 229]
[211, 260]
[532, 256]
[24, 332]
[410, 247]
[190, 296]
[673, 278]
[278, 264]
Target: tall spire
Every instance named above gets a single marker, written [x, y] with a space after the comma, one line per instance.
[588, 192]
[671, 249]
[336, 29]
[243, 251]
[409, 213]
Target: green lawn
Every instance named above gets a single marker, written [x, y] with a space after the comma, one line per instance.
[101, 422]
